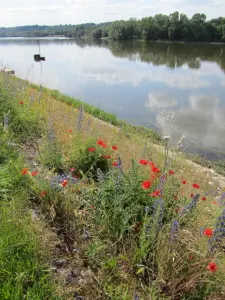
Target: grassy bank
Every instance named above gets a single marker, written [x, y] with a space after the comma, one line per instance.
[136, 220]
[24, 270]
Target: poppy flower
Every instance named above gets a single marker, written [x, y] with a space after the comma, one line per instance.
[106, 156]
[85, 212]
[24, 171]
[114, 147]
[212, 267]
[155, 193]
[70, 130]
[208, 232]
[191, 257]
[203, 198]
[196, 186]
[146, 184]
[191, 195]
[215, 202]
[155, 169]
[21, 102]
[43, 193]
[91, 149]
[115, 164]
[33, 173]
[101, 143]
[65, 182]
[184, 181]
[171, 172]
[143, 162]
[72, 170]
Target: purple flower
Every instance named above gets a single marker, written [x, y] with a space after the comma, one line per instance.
[80, 118]
[216, 241]
[174, 231]
[191, 205]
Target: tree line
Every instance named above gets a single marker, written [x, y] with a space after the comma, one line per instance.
[175, 27]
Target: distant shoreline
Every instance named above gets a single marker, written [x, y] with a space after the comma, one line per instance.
[111, 40]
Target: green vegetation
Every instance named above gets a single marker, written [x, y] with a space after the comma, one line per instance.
[175, 27]
[102, 115]
[120, 205]
[24, 273]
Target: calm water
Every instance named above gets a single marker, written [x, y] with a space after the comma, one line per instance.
[175, 88]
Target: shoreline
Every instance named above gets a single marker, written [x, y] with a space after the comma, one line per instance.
[111, 40]
[110, 119]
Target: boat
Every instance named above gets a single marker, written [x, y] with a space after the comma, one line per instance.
[38, 57]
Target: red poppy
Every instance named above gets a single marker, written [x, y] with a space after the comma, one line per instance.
[101, 143]
[156, 193]
[215, 202]
[155, 169]
[106, 156]
[104, 145]
[65, 182]
[115, 164]
[191, 257]
[203, 198]
[171, 172]
[70, 130]
[114, 147]
[212, 267]
[33, 173]
[208, 232]
[184, 181]
[21, 102]
[146, 184]
[191, 195]
[24, 171]
[85, 212]
[43, 193]
[196, 186]
[143, 162]
[72, 170]
[91, 149]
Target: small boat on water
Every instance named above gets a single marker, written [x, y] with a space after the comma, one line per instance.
[38, 57]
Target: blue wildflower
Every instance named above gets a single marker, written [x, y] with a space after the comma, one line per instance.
[174, 231]
[191, 205]
[80, 118]
[217, 240]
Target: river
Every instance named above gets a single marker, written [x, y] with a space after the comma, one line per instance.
[175, 88]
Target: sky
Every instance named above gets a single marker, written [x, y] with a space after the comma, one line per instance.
[52, 12]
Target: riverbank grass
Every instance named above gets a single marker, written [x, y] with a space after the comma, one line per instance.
[136, 220]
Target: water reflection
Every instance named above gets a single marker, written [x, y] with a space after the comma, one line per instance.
[202, 122]
[175, 88]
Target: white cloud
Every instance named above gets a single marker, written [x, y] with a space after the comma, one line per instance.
[202, 122]
[160, 100]
[20, 12]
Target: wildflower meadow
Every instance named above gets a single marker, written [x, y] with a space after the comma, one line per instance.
[93, 209]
